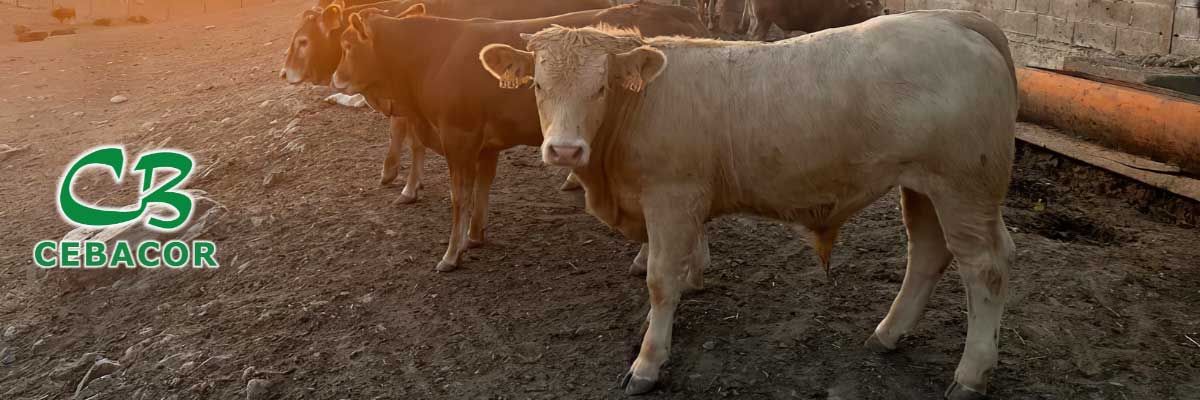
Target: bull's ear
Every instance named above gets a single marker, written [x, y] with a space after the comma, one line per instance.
[638, 67]
[526, 36]
[416, 10]
[331, 19]
[356, 22]
[512, 67]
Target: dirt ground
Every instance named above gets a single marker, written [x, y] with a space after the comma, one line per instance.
[327, 291]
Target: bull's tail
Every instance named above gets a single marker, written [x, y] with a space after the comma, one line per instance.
[985, 27]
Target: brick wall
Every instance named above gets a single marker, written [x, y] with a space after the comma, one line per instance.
[1043, 32]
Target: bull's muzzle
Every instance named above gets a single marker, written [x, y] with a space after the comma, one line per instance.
[565, 152]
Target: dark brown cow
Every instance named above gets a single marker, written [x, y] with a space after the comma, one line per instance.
[420, 68]
[809, 15]
[314, 53]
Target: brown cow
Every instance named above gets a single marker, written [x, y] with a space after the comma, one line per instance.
[809, 15]
[417, 67]
[314, 53]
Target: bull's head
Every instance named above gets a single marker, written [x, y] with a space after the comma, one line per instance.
[573, 84]
[361, 68]
[314, 53]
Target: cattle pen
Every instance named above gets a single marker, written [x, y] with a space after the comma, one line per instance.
[327, 289]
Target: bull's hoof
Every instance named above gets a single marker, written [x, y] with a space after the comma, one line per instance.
[444, 266]
[958, 391]
[635, 385]
[570, 185]
[474, 243]
[388, 175]
[875, 345]
[405, 199]
[636, 269]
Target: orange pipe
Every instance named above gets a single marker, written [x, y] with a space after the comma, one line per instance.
[1161, 127]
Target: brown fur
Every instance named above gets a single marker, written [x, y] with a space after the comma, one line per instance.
[427, 73]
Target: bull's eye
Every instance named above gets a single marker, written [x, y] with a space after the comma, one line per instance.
[537, 87]
[600, 92]
[302, 42]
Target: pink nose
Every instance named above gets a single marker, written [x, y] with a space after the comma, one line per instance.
[566, 154]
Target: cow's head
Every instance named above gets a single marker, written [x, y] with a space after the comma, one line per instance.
[316, 49]
[575, 73]
[313, 52]
[360, 68]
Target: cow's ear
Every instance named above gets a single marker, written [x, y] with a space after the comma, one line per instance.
[526, 36]
[512, 67]
[638, 67]
[331, 19]
[356, 22]
[416, 10]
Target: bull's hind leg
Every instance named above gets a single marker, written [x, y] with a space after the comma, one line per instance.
[412, 185]
[462, 183]
[638, 268]
[927, 260]
[391, 162]
[486, 172]
[571, 183]
[976, 235]
[403, 129]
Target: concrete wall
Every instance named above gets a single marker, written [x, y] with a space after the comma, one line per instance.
[1043, 32]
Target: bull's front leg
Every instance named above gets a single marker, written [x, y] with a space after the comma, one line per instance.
[675, 238]
[695, 271]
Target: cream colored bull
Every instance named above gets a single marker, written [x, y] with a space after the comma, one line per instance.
[667, 133]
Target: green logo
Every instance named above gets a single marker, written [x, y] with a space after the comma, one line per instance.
[175, 166]
[148, 165]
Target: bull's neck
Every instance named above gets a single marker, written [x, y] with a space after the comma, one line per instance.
[408, 50]
[604, 177]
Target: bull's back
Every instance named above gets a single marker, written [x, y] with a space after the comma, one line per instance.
[517, 9]
[862, 104]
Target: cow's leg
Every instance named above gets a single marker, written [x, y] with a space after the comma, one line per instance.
[412, 185]
[638, 268]
[976, 235]
[675, 237]
[486, 171]
[928, 258]
[572, 183]
[700, 260]
[715, 12]
[462, 183]
[760, 27]
[391, 162]
[746, 24]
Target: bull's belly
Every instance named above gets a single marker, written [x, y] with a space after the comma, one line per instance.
[812, 199]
